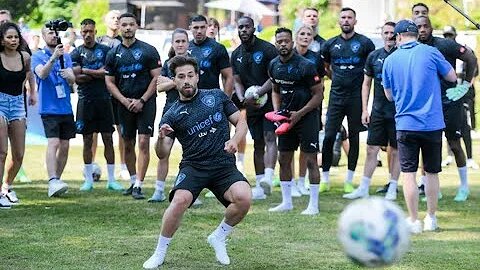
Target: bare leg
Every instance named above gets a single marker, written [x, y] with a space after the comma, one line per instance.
[16, 133]
[432, 188]
[143, 155]
[410, 191]
[94, 145]
[3, 145]
[130, 155]
[109, 152]
[62, 156]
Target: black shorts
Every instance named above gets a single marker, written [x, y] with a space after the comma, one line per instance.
[454, 116]
[217, 180]
[59, 126]
[411, 142]
[338, 108]
[304, 133]
[381, 131]
[115, 105]
[258, 124]
[94, 116]
[142, 122]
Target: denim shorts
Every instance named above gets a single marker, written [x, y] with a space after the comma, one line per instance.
[12, 107]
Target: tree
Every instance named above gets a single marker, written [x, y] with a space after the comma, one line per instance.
[19, 8]
[52, 9]
[93, 9]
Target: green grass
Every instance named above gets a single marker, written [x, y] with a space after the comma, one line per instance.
[105, 230]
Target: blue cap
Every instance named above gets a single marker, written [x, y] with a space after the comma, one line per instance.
[405, 26]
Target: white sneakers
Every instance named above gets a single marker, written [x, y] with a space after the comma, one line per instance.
[472, 164]
[220, 249]
[430, 223]
[283, 207]
[391, 194]
[356, 194]
[4, 202]
[155, 260]
[267, 187]
[414, 226]
[257, 194]
[302, 189]
[56, 187]
[310, 211]
[295, 191]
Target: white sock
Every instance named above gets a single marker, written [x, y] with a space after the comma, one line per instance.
[365, 184]
[258, 177]
[111, 172]
[313, 202]
[160, 185]
[240, 157]
[133, 178]
[326, 177]
[223, 230]
[349, 178]
[301, 181]
[5, 188]
[88, 169]
[269, 175]
[422, 180]
[286, 192]
[163, 243]
[393, 185]
[138, 183]
[462, 172]
[123, 167]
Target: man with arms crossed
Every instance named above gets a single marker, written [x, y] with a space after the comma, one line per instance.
[132, 69]
[411, 79]
[200, 121]
[250, 63]
[381, 122]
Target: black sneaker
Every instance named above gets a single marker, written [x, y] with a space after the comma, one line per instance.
[128, 191]
[383, 189]
[137, 193]
[421, 190]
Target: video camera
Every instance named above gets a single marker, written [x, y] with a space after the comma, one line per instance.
[59, 25]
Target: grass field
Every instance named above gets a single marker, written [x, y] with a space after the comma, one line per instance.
[105, 230]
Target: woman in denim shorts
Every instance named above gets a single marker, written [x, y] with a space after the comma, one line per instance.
[14, 69]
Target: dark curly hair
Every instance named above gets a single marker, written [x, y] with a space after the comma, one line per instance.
[3, 30]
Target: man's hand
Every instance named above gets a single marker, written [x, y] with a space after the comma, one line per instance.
[126, 102]
[457, 92]
[294, 118]
[231, 147]
[165, 129]
[365, 118]
[135, 106]
[64, 73]
[58, 52]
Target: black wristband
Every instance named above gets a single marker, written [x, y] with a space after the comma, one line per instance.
[142, 101]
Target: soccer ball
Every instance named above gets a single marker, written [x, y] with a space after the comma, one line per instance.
[261, 100]
[373, 232]
[97, 172]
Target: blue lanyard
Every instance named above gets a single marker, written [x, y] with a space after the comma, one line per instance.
[55, 68]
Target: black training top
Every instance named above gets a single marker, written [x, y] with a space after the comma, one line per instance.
[347, 60]
[91, 58]
[452, 51]
[109, 41]
[131, 67]
[316, 44]
[11, 82]
[212, 57]
[295, 78]
[172, 94]
[373, 68]
[316, 59]
[201, 126]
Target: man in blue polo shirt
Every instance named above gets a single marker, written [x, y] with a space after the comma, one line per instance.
[411, 79]
[54, 82]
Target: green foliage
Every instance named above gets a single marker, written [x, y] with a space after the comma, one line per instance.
[52, 9]
[268, 33]
[18, 9]
[93, 9]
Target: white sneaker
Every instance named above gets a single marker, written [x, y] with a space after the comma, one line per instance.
[391, 194]
[281, 208]
[302, 189]
[447, 161]
[4, 202]
[257, 194]
[124, 175]
[472, 164]
[311, 211]
[197, 202]
[430, 223]
[356, 194]
[415, 227]
[220, 249]
[12, 196]
[267, 187]
[155, 260]
[295, 192]
[56, 187]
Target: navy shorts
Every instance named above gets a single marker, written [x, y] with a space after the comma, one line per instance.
[381, 131]
[304, 133]
[94, 116]
[217, 180]
[454, 115]
[411, 142]
[142, 122]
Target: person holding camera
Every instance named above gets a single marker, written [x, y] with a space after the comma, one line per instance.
[132, 69]
[54, 77]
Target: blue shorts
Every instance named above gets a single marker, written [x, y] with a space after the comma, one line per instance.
[12, 107]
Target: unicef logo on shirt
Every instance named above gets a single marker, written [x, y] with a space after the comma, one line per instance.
[206, 51]
[257, 57]
[137, 53]
[98, 53]
[355, 46]
[209, 101]
[217, 117]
